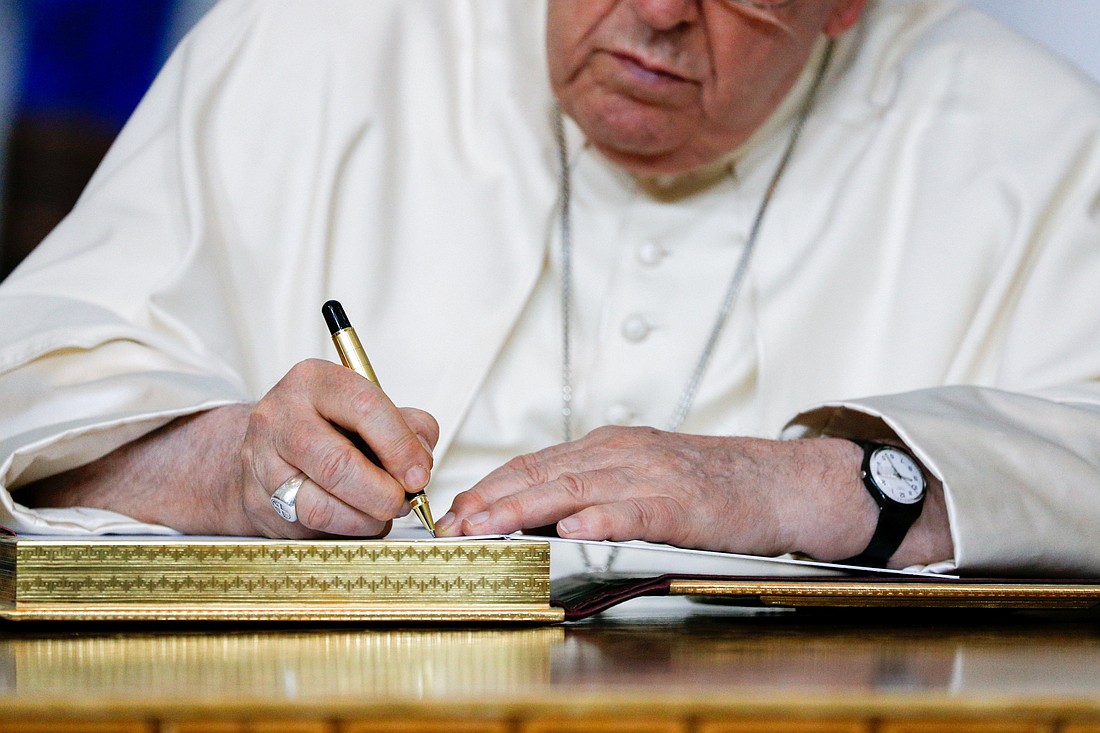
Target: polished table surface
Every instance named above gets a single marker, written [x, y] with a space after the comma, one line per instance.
[651, 665]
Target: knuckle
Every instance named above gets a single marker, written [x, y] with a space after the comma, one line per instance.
[366, 400]
[302, 373]
[613, 434]
[404, 449]
[645, 513]
[600, 524]
[621, 437]
[467, 503]
[510, 506]
[605, 434]
[305, 369]
[319, 515]
[274, 420]
[396, 501]
[655, 519]
[379, 501]
[530, 467]
[575, 486]
[335, 465]
[262, 420]
[422, 423]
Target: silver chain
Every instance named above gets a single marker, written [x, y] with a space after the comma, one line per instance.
[565, 191]
[565, 195]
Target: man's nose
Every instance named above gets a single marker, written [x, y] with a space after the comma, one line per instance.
[665, 15]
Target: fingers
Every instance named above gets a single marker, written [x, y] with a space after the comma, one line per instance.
[620, 521]
[516, 475]
[522, 472]
[344, 398]
[318, 420]
[615, 483]
[568, 464]
[318, 513]
[533, 507]
[588, 506]
[423, 425]
[319, 510]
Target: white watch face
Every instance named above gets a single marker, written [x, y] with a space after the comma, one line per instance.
[897, 474]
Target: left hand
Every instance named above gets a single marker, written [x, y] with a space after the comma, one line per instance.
[747, 495]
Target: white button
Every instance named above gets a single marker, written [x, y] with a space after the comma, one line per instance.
[618, 415]
[651, 254]
[635, 329]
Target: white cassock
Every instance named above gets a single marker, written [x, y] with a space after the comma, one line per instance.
[929, 267]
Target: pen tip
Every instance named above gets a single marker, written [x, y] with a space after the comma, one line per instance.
[423, 511]
[335, 318]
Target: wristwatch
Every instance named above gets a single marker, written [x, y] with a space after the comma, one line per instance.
[896, 483]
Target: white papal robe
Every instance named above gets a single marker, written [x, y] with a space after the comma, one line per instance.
[929, 268]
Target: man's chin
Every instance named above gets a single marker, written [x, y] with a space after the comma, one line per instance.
[656, 160]
[643, 139]
[645, 149]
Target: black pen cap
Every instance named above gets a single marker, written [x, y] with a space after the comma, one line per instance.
[335, 317]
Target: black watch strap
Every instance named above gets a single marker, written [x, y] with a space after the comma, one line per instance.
[894, 518]
[888, 536]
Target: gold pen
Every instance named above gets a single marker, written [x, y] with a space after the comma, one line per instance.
[354, 358]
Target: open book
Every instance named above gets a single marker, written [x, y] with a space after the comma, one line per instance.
[410, 577]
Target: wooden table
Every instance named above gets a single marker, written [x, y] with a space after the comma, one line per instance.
[656, 666]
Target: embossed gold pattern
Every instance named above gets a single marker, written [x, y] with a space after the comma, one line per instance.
[193, 578]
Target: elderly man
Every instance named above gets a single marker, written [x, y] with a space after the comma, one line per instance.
[730, 219]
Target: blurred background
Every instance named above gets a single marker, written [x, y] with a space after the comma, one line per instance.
[71, 72]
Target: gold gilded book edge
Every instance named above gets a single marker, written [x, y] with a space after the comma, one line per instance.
[143, 572]
[396, 612]
[856, 594]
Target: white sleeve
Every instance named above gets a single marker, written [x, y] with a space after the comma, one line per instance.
[81, 375]
[1021, 472]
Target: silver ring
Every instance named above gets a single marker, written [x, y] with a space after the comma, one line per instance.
[284, 497]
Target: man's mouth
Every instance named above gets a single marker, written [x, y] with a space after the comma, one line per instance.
[647, 71]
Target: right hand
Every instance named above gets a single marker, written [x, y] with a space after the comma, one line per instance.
[214, 472]
[294, 429]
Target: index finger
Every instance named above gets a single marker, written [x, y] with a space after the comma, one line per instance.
[301, 417]
[358, 405]
[519, 474]
[537, 506]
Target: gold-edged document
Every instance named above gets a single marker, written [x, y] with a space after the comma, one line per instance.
[237, 579]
